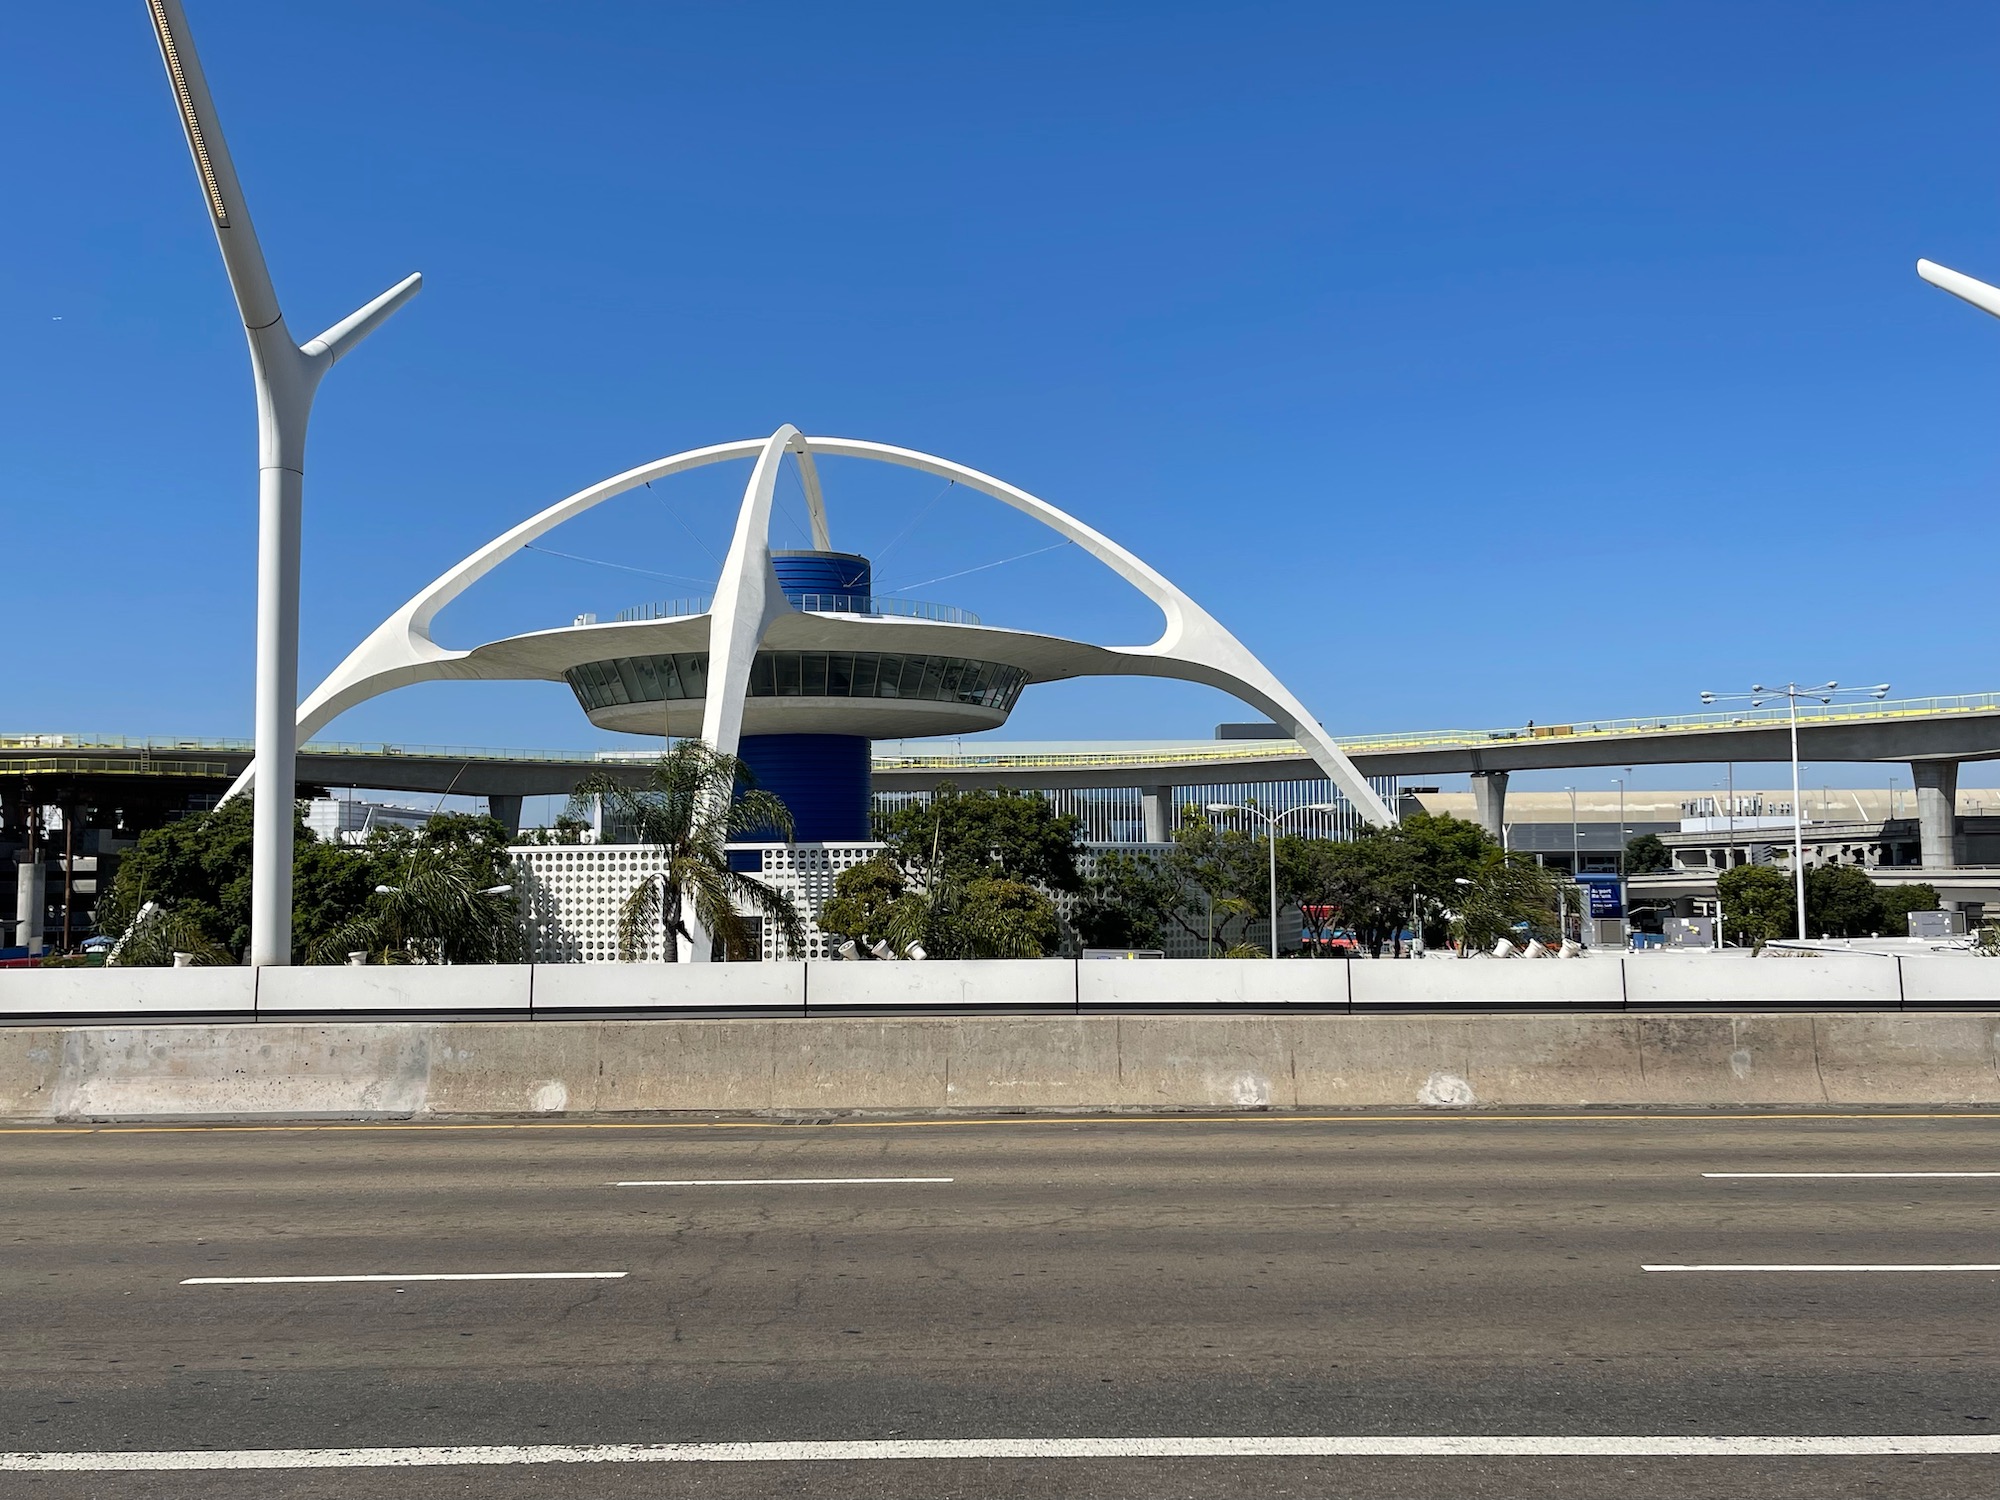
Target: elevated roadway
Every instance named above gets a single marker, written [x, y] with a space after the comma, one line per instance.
[1931, 734]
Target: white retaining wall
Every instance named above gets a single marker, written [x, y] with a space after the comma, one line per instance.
[1671, 981]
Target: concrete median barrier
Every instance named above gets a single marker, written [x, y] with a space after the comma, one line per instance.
[154, 1072]
[1205, 1062]
[1912, 1059]
[1730, 1059]
[1032, 1062]
[30, 1071]
[824, 1065]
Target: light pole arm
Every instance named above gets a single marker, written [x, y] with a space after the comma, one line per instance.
[242, 257]
[342, 339]
[1978, 293]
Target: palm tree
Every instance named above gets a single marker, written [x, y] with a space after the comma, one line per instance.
[437, 913]
[694, 802]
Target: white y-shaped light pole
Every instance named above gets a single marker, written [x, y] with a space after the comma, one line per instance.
[1978, 293]
[287, 375]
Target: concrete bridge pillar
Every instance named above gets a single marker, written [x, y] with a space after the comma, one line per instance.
[1156, 814]
[1936, 782]
[507, 810]
[1489, 802]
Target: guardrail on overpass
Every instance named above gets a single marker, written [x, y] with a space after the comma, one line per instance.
[1962, 727]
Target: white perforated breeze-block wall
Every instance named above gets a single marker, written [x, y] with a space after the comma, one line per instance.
[572, 894]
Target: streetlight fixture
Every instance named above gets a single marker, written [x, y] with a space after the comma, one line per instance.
[1271, 822]
[1791, 692]
[286, 376]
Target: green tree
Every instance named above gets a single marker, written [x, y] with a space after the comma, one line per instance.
[196, 875]
[694, 801]
[437, 911]
[564, 831]
[864, 897]
[1015, 835]
[1369, 880]
[1507, 891]
[1646, 855]
[1841, 901]
[196, 870]
[1757, 904]
[1221, 875]
[1128, 900]
[1898, 901]
[965, 875]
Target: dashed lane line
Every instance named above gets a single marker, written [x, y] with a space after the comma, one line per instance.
[774, 1181]
[403, 1280]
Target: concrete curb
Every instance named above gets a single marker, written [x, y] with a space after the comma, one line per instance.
[443, 1069]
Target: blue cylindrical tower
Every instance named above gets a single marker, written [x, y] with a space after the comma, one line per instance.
[822, 778]
[842, 576]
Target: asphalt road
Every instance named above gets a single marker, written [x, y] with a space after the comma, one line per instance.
[1270, 1276]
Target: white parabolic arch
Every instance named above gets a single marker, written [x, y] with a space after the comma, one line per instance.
[1194, 646]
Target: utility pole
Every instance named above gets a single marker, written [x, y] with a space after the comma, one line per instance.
[287, 375]
[1271, 822]
[1791, 692]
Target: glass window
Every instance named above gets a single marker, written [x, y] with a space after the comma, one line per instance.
[785, 665]
[812, 675]
[760, 676]
[886, 686]
[933, 688]
[839, 676]
[913, 677]
[864, 675]
[693, 667]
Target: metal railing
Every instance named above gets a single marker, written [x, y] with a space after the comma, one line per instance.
[666, 609]
[1449, 739]
[1216, 751]
[903, 609]
[873, 606]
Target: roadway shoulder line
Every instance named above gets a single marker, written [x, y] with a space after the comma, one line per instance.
[976, 1122]
[399, 1280]
[773, 1181]
[867, 1451]
[1963, 1266]
[1773, 1175]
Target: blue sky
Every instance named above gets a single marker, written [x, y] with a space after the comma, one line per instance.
[1474, 363]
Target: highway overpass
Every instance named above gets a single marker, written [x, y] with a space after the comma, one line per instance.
[1932, 735]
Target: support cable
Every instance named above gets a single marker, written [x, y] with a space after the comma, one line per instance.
[1017, 557]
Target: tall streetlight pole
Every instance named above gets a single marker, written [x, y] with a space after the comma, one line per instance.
[1271, 822]
[286, 376]
[1791, 692]
[1575, 847]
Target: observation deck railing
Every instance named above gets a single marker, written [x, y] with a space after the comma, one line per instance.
[873, 606]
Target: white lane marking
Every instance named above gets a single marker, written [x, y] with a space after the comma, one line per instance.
[771, 1181]
[1850, 1174]
[1942, 1267]
[1009, 1448]
[399, 1280]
